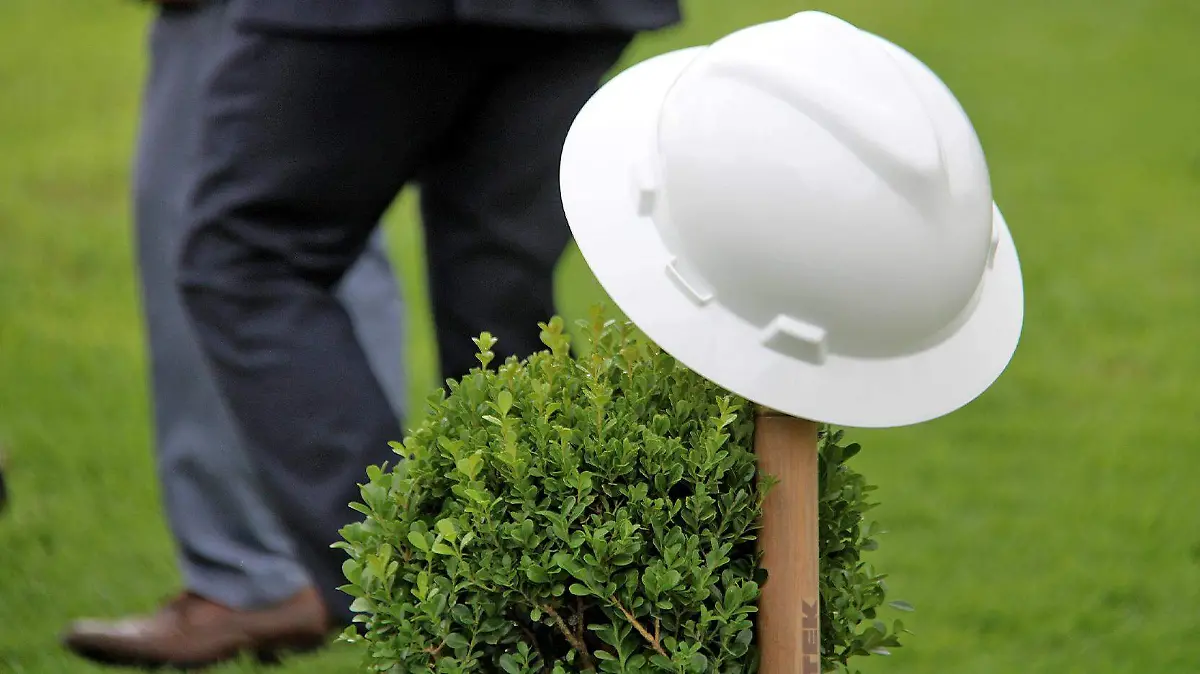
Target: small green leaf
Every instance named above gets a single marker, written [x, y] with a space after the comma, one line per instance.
[447, 529]
[351, 570]
[418, 541]
[504, 401]
[509, 665]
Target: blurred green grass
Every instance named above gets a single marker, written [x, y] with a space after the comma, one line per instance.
[1053, 526]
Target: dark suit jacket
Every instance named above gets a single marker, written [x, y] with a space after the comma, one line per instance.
[367, 15]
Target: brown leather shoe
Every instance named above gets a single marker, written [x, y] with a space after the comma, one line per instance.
[192, 632]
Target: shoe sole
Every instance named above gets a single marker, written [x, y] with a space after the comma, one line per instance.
[264, 656]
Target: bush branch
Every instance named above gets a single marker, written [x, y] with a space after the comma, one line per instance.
[577, 644]
[435, 651]
[652, 639]
[579, 624]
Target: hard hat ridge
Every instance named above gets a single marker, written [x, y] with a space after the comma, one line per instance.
[851, 86]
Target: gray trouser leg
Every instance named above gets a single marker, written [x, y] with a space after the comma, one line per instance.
[302, 150]
[232, 546]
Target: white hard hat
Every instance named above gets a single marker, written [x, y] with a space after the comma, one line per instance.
[800, 212]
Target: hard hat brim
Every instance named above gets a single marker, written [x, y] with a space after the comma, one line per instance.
[623, 249]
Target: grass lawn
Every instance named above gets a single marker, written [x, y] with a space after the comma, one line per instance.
[1053, 526]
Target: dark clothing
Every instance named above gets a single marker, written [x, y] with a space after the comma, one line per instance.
[370, 15]
[307, 142]
[233, 547]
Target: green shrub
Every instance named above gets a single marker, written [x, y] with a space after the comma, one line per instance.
[565, 515]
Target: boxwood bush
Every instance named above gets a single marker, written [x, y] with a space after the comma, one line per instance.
[598, 513]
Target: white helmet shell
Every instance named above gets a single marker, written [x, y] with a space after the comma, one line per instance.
[802, 213]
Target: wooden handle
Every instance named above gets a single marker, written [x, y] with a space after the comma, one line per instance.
[789, 634]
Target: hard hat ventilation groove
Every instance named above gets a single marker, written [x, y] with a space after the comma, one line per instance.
[797, 339]
[690, 283]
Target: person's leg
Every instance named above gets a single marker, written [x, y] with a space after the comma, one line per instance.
[233, 551]
[232, 548]
[234, 555]
[371, 294]
[306, 142]
[493, 216]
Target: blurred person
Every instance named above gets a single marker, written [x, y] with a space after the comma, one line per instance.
[318, 114]
[243, 583]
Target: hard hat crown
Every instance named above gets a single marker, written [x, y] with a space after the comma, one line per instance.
[824, 185]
